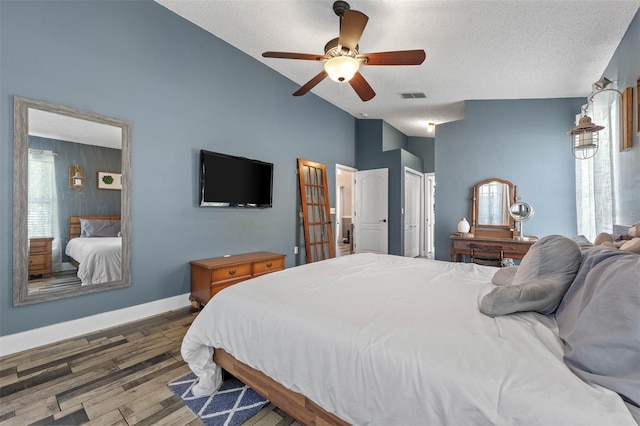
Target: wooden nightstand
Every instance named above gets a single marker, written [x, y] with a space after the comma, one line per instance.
[40, 257]
[209, 276]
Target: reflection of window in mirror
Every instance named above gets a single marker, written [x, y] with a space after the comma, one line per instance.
[493, 200]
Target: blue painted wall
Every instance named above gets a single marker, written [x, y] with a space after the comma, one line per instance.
[89, 201]
[425, 149]
[182, 90]
[380, 145]
[523, 141]
[625, 68]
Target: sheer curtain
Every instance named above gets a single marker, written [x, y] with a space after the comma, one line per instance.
[42, 219]
[595, 177]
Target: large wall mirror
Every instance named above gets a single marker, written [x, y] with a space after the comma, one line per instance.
[490, 203]
[71, 202]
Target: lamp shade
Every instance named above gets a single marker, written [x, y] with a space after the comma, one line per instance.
[341, 68]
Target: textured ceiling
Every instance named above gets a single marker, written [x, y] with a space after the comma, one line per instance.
[476, 49]
[62, 127]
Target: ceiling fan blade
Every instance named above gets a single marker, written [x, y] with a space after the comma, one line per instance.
[291, 55]
[311, 83]
[361, 87]
[351, 28]
[400, 57]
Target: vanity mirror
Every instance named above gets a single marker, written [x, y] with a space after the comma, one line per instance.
[59, 154]
[490, 205]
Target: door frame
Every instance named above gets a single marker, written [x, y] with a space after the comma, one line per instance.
[339, 169]
[429, 215]
[421, 235]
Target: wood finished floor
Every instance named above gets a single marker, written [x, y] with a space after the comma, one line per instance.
[116, 376]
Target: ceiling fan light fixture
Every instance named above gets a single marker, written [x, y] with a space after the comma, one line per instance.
[341, 68]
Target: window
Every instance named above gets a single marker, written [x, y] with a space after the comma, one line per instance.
[595, 177]
[42, 219]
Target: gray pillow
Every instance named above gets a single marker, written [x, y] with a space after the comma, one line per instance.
[599, 321]
[541, 280]
[99, 228]
[504, 276]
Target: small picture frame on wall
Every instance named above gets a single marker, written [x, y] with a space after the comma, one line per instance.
[109, 180]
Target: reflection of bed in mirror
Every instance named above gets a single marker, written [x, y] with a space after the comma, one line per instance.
[98, 258]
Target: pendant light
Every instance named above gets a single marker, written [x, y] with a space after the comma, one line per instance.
[585, 138]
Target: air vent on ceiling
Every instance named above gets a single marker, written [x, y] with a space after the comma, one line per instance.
[413, 95]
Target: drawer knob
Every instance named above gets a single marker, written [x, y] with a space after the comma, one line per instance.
[232, 272]
[269, 265]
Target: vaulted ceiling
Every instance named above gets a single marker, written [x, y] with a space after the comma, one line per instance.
[476, 49]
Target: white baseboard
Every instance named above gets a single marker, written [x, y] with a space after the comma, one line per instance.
[18, 342]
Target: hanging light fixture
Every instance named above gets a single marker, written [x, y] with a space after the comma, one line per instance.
[76, 177]
[585, 138]
[341, 68]
[431, 127]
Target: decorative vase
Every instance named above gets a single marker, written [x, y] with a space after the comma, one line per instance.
[463, 226]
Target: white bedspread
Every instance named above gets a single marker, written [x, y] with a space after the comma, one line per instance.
[388, 340]
[99, 258]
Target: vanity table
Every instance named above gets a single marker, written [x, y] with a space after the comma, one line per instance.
[493, 229]
[461, 246]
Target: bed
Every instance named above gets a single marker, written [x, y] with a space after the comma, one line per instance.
[95, 248]
[380, 339]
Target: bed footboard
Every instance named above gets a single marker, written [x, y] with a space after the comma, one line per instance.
[296, 405]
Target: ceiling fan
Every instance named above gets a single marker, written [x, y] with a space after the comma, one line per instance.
[342, 58]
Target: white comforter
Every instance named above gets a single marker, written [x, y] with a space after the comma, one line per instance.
[99, 258]
[386, 340]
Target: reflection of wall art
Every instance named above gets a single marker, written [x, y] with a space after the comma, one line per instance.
[109, 180]
[626, 142]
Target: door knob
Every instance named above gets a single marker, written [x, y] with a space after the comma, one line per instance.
[383, 220]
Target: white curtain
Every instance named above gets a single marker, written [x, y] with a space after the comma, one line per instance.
[42, 219]
[595, 177]
[493, 204]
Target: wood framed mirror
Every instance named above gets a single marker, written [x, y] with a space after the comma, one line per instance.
[59, 153]
[490, 203]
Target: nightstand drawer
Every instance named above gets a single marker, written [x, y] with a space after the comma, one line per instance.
[266, 266]
[37, 261]
[231, 272]
[40, 245]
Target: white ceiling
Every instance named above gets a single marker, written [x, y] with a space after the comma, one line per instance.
[476, 49]
[65, 128]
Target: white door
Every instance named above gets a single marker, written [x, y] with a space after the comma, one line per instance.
[412, 212]
[371, 234]
[429, 214]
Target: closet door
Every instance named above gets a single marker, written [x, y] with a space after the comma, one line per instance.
[314, 195]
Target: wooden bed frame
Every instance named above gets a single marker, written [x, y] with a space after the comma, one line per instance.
[75, 230]
[296, 405]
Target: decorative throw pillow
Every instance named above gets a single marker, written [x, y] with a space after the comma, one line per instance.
[541, 280]
[504, 276]
[599, 321]
[99, 228]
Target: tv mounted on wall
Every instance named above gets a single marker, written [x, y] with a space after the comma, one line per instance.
[229, 181]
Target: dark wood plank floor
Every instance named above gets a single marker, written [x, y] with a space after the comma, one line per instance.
[116, 376]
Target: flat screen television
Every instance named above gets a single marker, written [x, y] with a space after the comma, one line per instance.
[229, 181]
